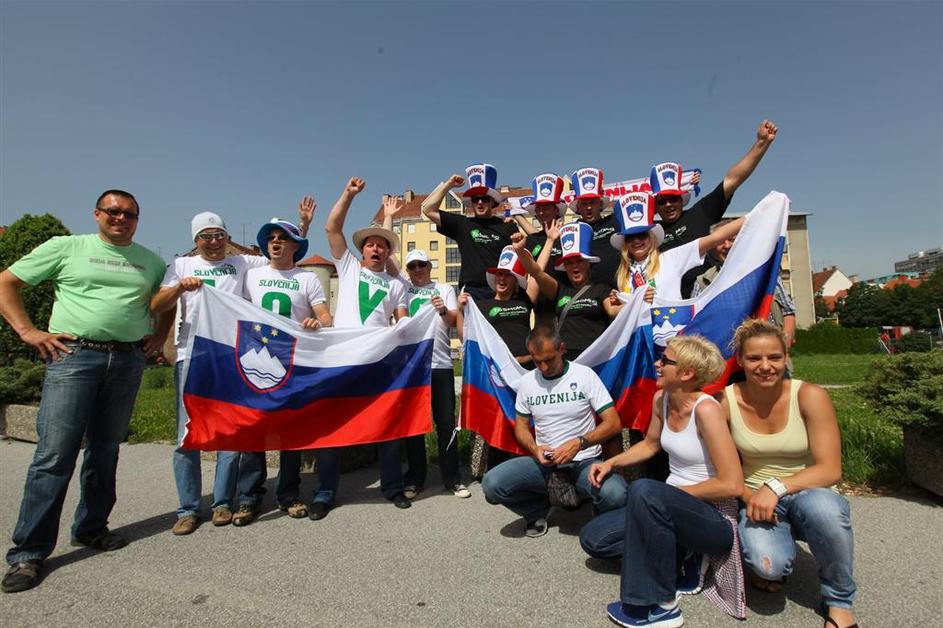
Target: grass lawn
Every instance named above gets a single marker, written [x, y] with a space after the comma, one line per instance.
[155, 417]
[834, 369]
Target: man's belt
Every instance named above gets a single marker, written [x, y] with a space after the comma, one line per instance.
[106, 346]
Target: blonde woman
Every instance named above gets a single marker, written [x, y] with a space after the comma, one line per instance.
[788, 437]
[694, 510]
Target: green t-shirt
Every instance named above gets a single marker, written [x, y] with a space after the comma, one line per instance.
[102, 291]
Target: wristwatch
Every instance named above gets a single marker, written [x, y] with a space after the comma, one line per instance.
[776, 486]
[584, 444]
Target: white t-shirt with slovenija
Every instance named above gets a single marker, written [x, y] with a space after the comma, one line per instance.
[290, 293]
[564, 407]
[672, 265]
[416, 297]
[365, 298]
[227, 275]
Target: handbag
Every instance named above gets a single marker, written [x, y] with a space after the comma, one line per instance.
[561, 491]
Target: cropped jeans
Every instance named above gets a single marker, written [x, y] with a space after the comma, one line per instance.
[86, 394]
[822, 518]
[186, 464]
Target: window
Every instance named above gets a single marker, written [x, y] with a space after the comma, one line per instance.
[451, 273]
[411, 228]
[451, 255]
[435, 263]
[410, 246]
[432, 226]
[451, 202]
[434, 245]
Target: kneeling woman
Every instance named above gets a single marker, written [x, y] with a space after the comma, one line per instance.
[694, 510]
[788, 438]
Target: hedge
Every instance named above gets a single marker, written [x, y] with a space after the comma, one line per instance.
[831, 339]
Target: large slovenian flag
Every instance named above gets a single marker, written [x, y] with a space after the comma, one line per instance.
[743, 289]
[622, 356]
[257, 381]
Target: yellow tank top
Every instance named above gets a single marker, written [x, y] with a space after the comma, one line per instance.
[768, 456]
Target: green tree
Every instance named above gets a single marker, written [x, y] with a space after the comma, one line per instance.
[821, 308]
[19, 239]
[865, 305]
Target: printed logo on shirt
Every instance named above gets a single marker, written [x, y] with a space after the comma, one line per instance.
[481, 237]
[216, 271]
[371, 300]
[551, 399]
[605, 232]
[506, 312]
[283, 284]
[579, 304]
[116, 265]
[417, 303]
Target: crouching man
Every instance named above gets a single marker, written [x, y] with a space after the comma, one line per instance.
[564, 401]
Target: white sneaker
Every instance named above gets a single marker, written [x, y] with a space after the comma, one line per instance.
[460, 490]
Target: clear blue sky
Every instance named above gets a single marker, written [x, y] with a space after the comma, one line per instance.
[242, 108]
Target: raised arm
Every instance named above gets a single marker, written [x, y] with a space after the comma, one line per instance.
[430, 206]
[306, 208]
[740, 171]
[718, 235]
[524, 224]
[335, 220]
[391, 206]
[546, 284]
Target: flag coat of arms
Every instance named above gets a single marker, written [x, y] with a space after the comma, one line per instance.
[256, 381]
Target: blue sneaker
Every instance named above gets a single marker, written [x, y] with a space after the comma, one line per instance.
[654, 616]
[690, 579]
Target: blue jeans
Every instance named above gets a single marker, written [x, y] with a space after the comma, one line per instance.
[85, 394]
[329, 471]
[646, 534]
[521, 485]
[443, 415]
[253, 473]
[186, 464]
[822, 518]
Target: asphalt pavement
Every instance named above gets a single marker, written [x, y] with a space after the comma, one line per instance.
[444, 562]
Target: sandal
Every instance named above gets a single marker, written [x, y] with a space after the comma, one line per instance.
[104, 541]
[832, 622]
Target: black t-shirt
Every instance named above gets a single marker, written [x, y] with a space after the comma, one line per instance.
[480, 241]
[586, 318]
[544, 307]
[511, 319]
[696, 222]
[604, 271]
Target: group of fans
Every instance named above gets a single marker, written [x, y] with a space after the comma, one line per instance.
[548, 291]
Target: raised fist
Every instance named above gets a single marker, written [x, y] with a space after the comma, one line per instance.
[354, 186]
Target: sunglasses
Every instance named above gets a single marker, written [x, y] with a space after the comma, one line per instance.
[661, 201]
[278, 237]
[114, 212]
[416, 265]
[209, 237]
[666, 361]
[481, 199]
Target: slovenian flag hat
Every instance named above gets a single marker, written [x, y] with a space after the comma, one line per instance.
[587, 183]
[635, 213]
[576, 240]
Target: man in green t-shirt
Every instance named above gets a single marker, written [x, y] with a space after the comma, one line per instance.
[99, 333]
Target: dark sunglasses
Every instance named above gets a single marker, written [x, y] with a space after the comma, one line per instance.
[667, 200]
[481, 199]
[209, 237]
[415, 265]
[666, 361]
[114, 212]
[279, 237]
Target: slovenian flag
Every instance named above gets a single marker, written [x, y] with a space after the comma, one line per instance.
[257, 381]
[743, 288]
[622, 356]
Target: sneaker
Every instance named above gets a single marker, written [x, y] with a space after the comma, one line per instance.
[296, 509]
[410, 491]
[245, 515]
[222, 516]
[186, 524]
[691, 574]
[460, 490]
[654, 616]
[22, 576]
[319, 511]
[534, 529]
[400, 501]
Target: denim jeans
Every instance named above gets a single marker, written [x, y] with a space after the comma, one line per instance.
[329, 471]
[443, 414]
[656, 521]
[253, 473]
[186, 464]
[822, 518]
[86, 393]
[521, 485]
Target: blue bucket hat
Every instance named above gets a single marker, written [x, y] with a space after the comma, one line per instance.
[293, 232]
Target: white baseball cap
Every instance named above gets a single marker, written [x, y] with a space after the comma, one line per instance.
[416, 255]
[206, 220]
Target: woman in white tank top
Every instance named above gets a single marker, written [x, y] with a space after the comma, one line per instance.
[694, 511]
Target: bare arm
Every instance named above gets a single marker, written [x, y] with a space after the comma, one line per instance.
[525, 225]
[639, 452]
[323, 314]
[718, 235]
[400, 313]
[526, 440]
[430, 206]
[166, 297]
[609, 425]
[12, 309]
[546, 284]
[335, 220]
[740, 171]
[449, 316]
[391, 206]
[613, 304]
[154, 343]
[789, 329]
[306, 214]
[728, 481]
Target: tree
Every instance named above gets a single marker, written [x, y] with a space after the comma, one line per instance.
[19, 239]
[865, 305]
[821, 309]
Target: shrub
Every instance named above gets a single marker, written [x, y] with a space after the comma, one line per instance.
[914, 342]
[157, 377]
[22, 382]
[826, 337]
[908, 389]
